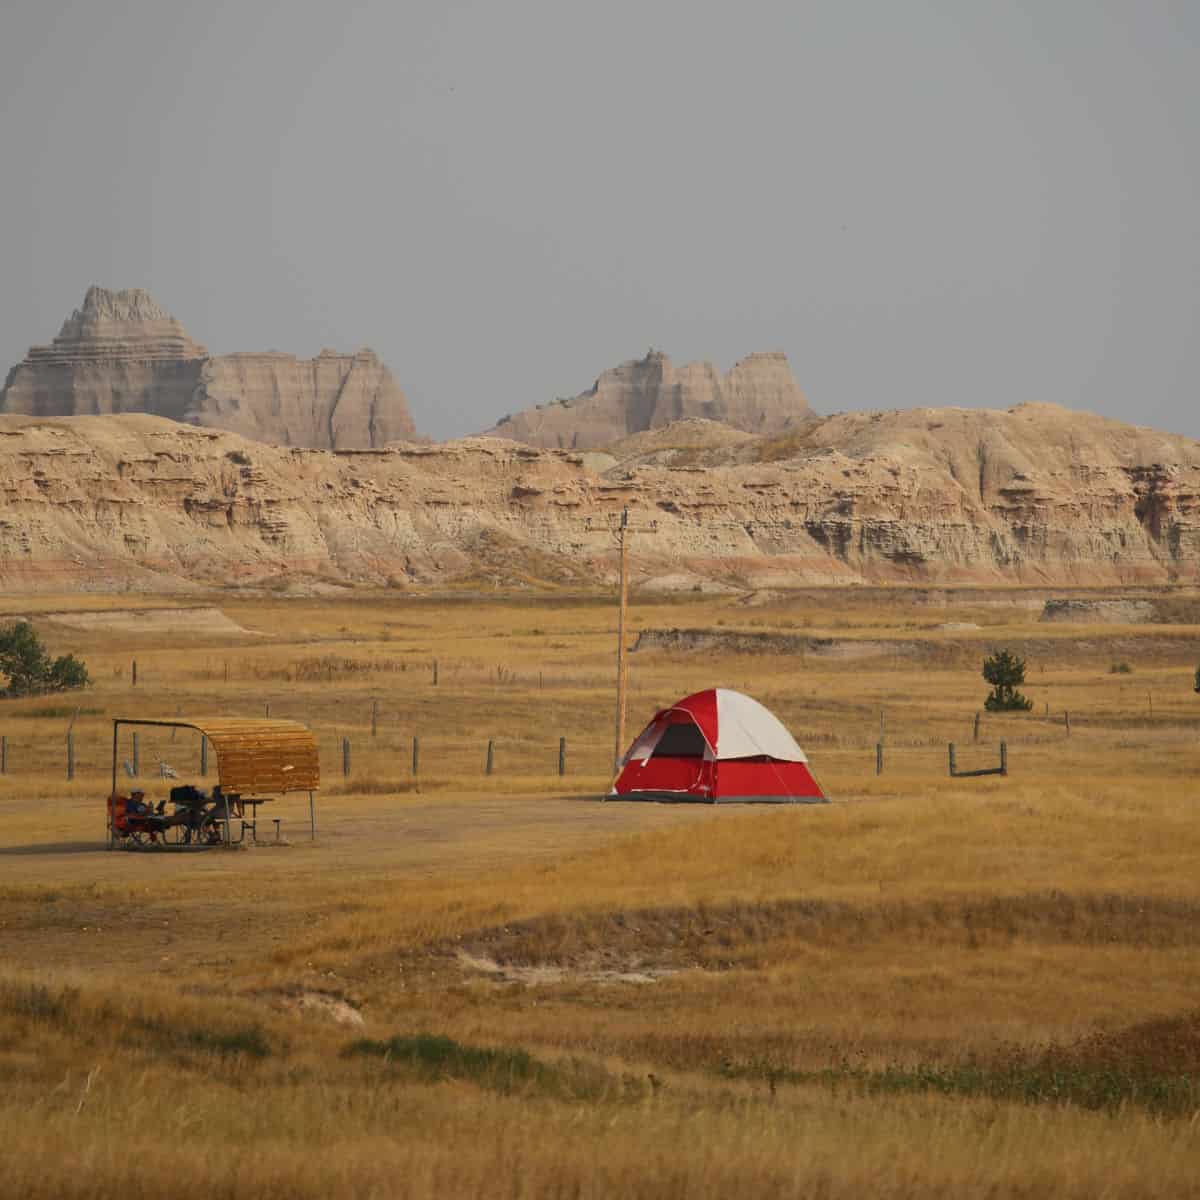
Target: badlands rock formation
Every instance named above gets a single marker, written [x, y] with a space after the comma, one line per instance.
[1037, 495]
[122, 353]
[758, 395]
[333, 401]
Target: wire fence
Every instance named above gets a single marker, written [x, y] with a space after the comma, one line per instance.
[389, 722]
[374, 755]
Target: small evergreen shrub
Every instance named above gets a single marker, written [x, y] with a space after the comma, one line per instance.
[1005, 671]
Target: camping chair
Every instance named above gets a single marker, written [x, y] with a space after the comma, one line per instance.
[133, 830]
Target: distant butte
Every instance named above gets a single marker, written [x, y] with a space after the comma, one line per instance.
[123, 353]
[758, 395]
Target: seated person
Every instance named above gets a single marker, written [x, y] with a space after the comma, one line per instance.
[136, 805]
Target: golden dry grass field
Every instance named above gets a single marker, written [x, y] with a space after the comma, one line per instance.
[480, 986]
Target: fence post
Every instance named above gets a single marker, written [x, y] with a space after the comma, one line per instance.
[416, 756]
[435, 672]
[1067, 715]
[70, 756]
[374, 717]
[953, 763]
[562, 755]
[3, 755]
[1003, 758]
[227, 670]
[268, 708]
[976, 727]
[136, 756]
[491, 757]
[203, 755]
[345, 756]
[878, 758]
[133, 674]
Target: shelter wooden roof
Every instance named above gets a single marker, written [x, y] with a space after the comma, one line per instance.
[255, 756]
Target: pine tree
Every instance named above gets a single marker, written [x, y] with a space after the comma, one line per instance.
[1004, 671]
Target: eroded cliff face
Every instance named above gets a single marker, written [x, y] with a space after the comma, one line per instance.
[334, 401]
[1036, 495]
[122, 353]
[759, 395]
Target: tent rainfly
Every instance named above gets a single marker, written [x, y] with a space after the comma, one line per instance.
[719, 747]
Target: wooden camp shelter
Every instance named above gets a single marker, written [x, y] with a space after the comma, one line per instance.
[258, 759]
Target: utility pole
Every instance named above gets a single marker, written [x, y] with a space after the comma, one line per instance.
[624, 600]
[621, 531]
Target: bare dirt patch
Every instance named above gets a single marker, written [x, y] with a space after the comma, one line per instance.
[322, 1005]
[201, 620]
[590, 970]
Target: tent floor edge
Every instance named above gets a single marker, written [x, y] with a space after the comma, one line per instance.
[685, 798]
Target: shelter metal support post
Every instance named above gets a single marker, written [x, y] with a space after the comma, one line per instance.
[112, 795]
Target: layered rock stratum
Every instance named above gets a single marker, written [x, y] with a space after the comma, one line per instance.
[1036, 495]
[122, 353]
[758, 395]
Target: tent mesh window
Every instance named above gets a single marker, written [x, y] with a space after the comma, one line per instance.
[680, 741]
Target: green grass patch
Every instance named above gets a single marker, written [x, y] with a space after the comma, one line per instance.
[433, 1058]
[64, 1009]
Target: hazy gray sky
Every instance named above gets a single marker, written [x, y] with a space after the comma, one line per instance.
[922, 203]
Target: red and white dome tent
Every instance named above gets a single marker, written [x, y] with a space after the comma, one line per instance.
[719, 747]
